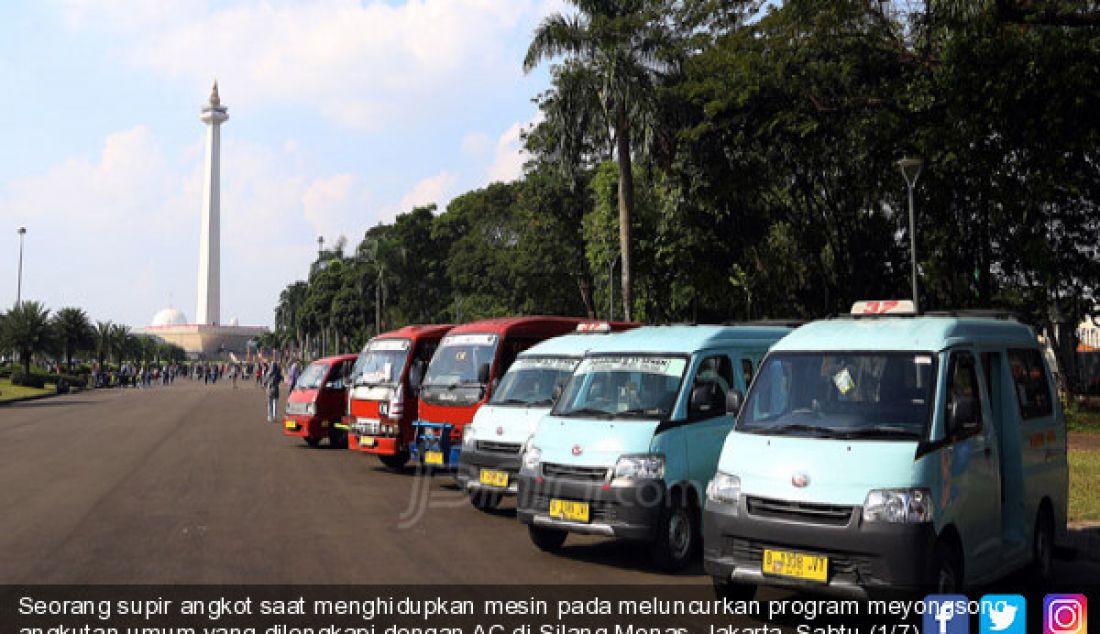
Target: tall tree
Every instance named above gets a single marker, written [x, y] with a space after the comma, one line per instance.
[619, 41]
[28, 330]
[74, 332]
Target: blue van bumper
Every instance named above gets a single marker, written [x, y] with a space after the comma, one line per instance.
[432, 445]
[862, 556]
[628, 512]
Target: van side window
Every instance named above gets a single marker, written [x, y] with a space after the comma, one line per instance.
[1032, 387]
[715, 377]
[746, 371]
[964, 403]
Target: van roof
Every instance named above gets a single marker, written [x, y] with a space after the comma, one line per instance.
[538, 325]
[335, 359]
[415, 331]
[925, 333]
[686, 339]
[565, 346]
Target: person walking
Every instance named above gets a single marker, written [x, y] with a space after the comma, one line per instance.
[292, 377]
[273, 378]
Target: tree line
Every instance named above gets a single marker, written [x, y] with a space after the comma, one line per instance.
[30, 331]
[708, 160]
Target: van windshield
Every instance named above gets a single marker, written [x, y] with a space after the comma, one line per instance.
[381, 362]
[312, 377]
[531, 381]
[617, 386]
[842, 395]
[452, 374]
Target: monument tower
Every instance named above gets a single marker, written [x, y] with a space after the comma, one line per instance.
[213, 114]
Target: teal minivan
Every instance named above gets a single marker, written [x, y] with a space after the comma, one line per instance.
[891, 452]
[630, 444]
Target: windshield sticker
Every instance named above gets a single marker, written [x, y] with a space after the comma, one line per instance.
[843, 381]
[923, 359]
[389, 345]
[648, 365]
[469, 340]
[544, 363]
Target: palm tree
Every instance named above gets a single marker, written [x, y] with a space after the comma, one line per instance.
[104, 343]
[27, 329]
[74, 332]
[619, 41]
[119, 336]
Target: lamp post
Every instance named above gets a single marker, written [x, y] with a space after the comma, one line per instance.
[910, 170]
[19, 283]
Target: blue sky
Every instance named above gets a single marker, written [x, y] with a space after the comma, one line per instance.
[343, 113]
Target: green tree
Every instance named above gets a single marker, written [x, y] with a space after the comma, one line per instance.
[27, 330]
[74, 332]
[618, 41]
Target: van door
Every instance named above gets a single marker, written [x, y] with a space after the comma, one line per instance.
[1009, 464]
[970, 461]
[708, 424]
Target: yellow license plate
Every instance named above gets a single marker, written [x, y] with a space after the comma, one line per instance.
[494, 478]
[569, 510]
[291, 425]
[433, 457]
[783, 563]
[366, 441]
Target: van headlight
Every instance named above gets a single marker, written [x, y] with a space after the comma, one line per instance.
[468, 440]
[724, 489]
[898, 506]
[649, 466]
[531, 459]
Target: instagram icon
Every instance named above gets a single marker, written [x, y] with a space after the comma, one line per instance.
[1065, 614]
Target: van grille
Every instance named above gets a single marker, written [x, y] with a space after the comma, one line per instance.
[829, 514]
[573, 472]
[499, 447]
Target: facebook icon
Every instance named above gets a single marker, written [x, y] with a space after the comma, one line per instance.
[945, 614]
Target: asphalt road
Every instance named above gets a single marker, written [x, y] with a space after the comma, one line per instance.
[189, 484]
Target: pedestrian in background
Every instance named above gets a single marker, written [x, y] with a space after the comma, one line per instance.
[273, 378]
[295, 372]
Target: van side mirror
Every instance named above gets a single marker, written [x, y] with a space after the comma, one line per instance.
[963, 415]
[483, 373]
[416, 375]
[558, 390]
[706, 398]
[734, 401]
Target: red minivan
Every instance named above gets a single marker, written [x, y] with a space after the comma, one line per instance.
[463, 374]
[384, 387]
[315, 406]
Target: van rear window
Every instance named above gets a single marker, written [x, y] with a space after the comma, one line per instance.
[1030, 380]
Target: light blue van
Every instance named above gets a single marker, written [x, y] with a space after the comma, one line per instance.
[891, 452]
[493, 442]
[629, 446]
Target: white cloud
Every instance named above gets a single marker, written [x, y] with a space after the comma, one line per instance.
[437, 189]
[335, 206]
[509, 156]
[364, 65]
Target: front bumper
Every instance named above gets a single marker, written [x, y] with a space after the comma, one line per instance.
[472, 461]
[628, 512]
[303, 426]
[381, 445]
[862, 556]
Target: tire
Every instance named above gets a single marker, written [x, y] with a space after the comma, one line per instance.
[948, 567]
[734, 591]
[485, 500]
[677, 536]
[312, 442]
[396, 462]
[1042, 549]
[337, 438]
[548, 540]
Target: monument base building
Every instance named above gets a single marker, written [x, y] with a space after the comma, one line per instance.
[202, 341]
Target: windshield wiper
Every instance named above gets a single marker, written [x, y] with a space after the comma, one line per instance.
[797, 428]
[640, 411]
[881, 431]
[511, 401]
[588, 411]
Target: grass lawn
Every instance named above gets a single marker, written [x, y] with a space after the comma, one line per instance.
[10, 392]
[1082, 419]
[1084, 485]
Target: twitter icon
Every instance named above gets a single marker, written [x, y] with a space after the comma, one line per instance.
[1003, 614]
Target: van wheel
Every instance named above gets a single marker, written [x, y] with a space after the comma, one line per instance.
[548, 540]
[312, 442]
[337, 438]
[485, 500]
[949, 571]
[734, 591]
[1042, 549]
[395, 462]
[677, 536]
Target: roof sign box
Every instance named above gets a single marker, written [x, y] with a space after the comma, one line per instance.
[884, 307]
[594, 327]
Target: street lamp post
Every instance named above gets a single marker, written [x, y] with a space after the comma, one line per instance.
[910, 170]
[19, 284]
